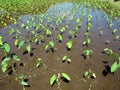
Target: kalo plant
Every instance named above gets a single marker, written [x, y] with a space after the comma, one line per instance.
[65, 58]
[59, 78]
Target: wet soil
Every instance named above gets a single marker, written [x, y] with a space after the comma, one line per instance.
[99, 62]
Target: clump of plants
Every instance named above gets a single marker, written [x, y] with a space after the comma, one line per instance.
[89, 74]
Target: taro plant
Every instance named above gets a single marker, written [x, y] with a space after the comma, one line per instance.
[109, 52]
[48, 32]
[62, 30]
[59, 37]
[20, 44]
[23, 80]
[9, 61]
[87, 53]
[89, 25]
[59, 78]
[115, 66]
[89, 17]
[5, 47]
[65, 58]
[50, 45]
[69, 44]
[39, 62]
[89, 74]
[87, 42]
[72, 33]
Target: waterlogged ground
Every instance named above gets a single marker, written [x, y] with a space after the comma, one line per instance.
[32, 27]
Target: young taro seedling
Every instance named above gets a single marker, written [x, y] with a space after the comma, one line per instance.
[89, 74]
[87, 53]
[87, 42]
[89, 25]
[69, 44]
[59, 79]
[59, 37]
[9, 61]
[50, 45]
[109, 52]
[39, 62]
[65, 58]
[22, 79]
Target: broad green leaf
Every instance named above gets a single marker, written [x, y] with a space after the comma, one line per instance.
[69, 44]
[4, 64]
[66, 76]
[69, 60]
[7, 47]
[24, 83]
[21, 43]
[53, 79]
[15, 57]
[86, 74]
[64, 58]
[16, 42]
[4, 67]
[52, 43]
[28, 48]
[115, 66]
[59, 37]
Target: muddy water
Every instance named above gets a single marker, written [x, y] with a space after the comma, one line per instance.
[38, 78]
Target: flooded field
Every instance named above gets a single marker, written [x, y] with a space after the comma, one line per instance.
[69, 47]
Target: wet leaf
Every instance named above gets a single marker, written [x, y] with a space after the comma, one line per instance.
[64, 58]
[86, 74]
[52, 43]
[4, 64]
[4, 67]
[15, 57]
[21, 43]
[66, 76]
[28, 48]
[24, 83]
[16, 42]
[69, 44]
[53, 79]
[115, 66]
[7, 47]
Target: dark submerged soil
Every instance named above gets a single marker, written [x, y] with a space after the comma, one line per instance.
[99, 63]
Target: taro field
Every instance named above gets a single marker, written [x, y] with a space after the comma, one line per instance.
[67, 46]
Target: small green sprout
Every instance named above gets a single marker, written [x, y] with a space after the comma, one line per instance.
[69, 44]
[39, 62]
[65, 58]
[87, 53]
[89, 74]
